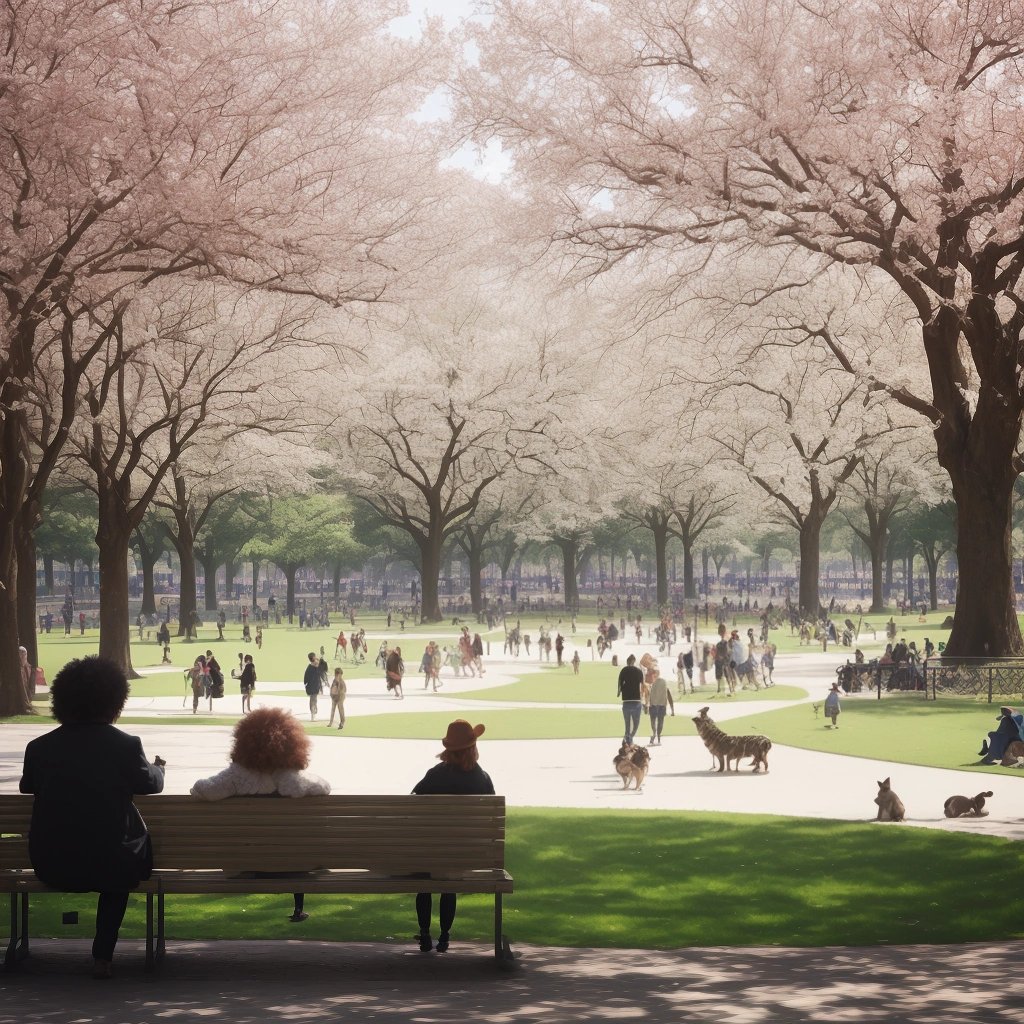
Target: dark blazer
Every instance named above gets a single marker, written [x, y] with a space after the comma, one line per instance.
[83, 777]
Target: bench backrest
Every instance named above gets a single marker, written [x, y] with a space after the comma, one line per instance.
[395, 835]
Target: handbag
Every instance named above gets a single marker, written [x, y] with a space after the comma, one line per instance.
[137, 845]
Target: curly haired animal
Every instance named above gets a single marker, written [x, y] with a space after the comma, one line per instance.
[725, 748]
[961, 806]
[890, 806]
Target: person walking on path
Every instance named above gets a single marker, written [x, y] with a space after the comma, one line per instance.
[478, 653]
[338, 691]
[394, 669]
[199, 681]
[28, 675]
[86, 834]
[247, 683]
[458, 773]
[832, 707]
[312, 683]
[631, 681]
[559, 648]
[658, 695]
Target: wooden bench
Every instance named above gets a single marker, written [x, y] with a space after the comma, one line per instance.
[317, 845]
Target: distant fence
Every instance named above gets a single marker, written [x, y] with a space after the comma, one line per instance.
[990, 678]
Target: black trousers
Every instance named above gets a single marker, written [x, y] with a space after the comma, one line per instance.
[424, 909]
[110, 909]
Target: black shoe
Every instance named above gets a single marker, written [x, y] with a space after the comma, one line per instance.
[298, 917]
[442, 942]
[984, 748]
[425, 943]
[102, 969]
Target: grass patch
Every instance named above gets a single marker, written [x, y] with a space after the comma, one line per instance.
[661, 881]
[910, 730]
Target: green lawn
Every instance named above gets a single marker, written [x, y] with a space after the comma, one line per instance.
[908, 729]
[661, 881]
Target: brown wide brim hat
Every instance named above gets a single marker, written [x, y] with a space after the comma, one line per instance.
[461, 735]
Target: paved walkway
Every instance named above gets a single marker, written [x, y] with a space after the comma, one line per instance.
[289, 981]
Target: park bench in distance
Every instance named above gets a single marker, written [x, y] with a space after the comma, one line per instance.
[317, 845]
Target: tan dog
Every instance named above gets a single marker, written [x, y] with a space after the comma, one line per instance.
[959, 806]
[890, 806]
[632, 763]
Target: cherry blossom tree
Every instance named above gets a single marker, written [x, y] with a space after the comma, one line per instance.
[885, 137]
[257, 141]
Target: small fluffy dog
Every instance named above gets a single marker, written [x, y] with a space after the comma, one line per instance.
[960, 806]
[890, 806]
[632, 762]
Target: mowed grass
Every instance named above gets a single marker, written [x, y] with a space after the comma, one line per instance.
[661, 881]
[946, 733]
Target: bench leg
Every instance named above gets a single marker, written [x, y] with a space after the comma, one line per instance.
[161, 945]
[149, 931]
[502, 950]
[17, 947]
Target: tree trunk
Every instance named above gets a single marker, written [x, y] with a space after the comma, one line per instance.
[476, 572]
[113, 537]
[289, 580]
[209, 564]
[48, 584]
[660, 531]
[26, 586]
[689, 583]
[908, 575]
[810, 558]
[705, 559]
[229, 580]
[933, 583]
[337, 581]
[430, 570]
[570, 552]
[985, 621]
[148, 585]
[256, 579]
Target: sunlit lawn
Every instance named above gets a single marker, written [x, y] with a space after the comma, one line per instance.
[662, 880]
[905, 728]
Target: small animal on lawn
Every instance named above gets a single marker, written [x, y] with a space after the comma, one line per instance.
[817, 708]
[961, 806]
[632, 763]
[890, 806]
[726, 748]
[1013, 756]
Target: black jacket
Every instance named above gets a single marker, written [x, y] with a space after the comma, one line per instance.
[83, 777]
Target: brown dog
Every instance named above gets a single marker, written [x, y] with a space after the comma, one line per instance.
[959, 806]
[632, 763]
[1014, 755]
[890, 806]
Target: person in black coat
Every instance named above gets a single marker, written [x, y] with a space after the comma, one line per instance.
[86, 834]
[457, 773]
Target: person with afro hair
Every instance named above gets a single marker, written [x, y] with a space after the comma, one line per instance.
[269, 757]
[86, 834]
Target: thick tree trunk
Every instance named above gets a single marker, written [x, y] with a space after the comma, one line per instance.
[13, 486]
[148, 585]
[877, 546]
[26, 587]
[209, 565]
[113, 538]
[985, 620]
[570, 552]
[430, 570]
[908, 575]
[705, 559]
[810, 559]
[48, 584]
[229, 579]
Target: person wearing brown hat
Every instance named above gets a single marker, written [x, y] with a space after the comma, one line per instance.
[832, 707]
[458, 773]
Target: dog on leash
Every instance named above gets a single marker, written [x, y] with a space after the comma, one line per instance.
[961, 806]
[632, 763]
[890, 806]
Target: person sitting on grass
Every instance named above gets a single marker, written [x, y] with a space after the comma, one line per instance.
[269, 757]
[1010, 728]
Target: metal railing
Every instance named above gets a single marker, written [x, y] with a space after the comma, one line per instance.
[976, 677]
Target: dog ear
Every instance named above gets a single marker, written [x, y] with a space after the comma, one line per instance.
[884, 784]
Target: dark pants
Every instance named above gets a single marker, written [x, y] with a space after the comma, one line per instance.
[424, 908]
[110, 908]
[631, 710]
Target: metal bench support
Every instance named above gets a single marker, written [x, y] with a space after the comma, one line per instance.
[17, 948]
